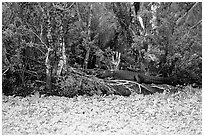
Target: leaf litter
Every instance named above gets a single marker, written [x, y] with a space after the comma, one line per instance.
[112, 114]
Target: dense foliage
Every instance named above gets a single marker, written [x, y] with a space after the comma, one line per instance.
[42, 42]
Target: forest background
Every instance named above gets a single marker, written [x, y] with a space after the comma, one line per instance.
[46, 45]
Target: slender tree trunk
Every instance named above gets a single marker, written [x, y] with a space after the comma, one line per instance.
[47, 61]
[89, 39]
[62, 61]
[48, 71]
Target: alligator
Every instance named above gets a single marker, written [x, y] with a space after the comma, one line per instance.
[137, 76]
